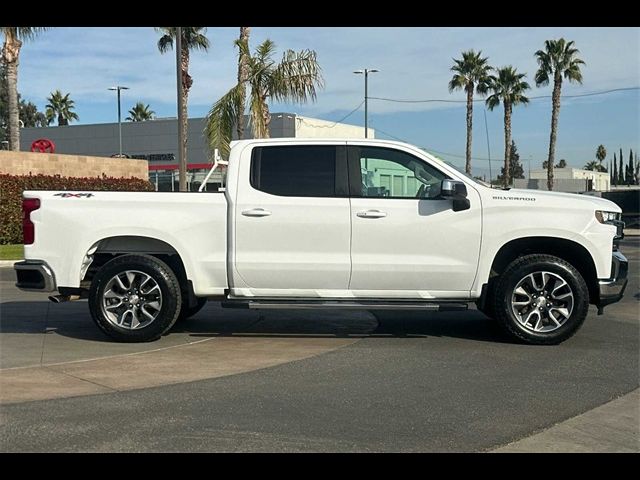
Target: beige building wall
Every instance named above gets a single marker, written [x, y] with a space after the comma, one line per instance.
[315, 128]
[24, 163]
[601, 180]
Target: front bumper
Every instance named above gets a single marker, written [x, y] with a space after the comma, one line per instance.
[34, 276]
[612, 289]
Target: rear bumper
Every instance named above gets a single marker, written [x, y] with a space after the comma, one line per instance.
[34, 276]
[612, 289]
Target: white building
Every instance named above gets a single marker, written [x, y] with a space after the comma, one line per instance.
[567, 180]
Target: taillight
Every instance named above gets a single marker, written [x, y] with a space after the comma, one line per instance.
[28, 228]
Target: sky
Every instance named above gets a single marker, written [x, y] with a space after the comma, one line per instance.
[414, 63]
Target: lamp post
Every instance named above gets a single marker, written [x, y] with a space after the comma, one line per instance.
[118, 88]
[366, 72]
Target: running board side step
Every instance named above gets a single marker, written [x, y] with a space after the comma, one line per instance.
[344, 304]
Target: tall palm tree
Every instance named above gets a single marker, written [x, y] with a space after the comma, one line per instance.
[140, 113]
[557, 60]
[295, 78]
[471, 72]
[13, 38]
[192, 38]
[243, 77]
[508, 87]
[60, 106]
[601, 154]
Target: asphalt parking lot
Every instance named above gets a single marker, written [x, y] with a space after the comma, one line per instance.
[229, 380]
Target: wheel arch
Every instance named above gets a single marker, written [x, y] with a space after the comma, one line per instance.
[568, 250]
[108, 248]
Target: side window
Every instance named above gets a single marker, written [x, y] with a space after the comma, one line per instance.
[385, 172]
[295, 171]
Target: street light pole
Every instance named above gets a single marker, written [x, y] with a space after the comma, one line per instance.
[366, 72]
[118, 88]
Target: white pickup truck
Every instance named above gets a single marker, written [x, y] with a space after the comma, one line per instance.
[364, 224]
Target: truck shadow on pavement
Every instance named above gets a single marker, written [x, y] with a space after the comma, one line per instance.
[73, 320]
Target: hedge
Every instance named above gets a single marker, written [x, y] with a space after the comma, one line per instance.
[12, 186]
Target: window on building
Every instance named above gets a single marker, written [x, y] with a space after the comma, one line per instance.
[392, 173]
[295, 171]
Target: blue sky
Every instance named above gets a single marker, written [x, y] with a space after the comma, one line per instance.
[413, 62]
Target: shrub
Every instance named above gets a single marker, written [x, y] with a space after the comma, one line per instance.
[12, 186]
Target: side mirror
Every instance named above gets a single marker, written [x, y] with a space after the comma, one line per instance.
[457, 191]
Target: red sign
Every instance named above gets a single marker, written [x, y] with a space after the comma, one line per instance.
[43, 145]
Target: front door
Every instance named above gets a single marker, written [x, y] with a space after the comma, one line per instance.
[292, 221]
[406, 240]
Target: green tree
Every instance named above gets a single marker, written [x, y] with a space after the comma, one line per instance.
[470, 73]
[507, 87]
[637, 175]
[630, 179]
[192, 38]
[561, 164]
[243, 77]
[601, 153]
[295, 78]
[621, 178]
[614, 177]
[140, 113]
[13, 39]
[516, 169]
[61, 107]
[29, 114]
[592, 165]
[558, 60]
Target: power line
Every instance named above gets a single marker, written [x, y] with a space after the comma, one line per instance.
[429, 149]
[334, 123]
[433, 100]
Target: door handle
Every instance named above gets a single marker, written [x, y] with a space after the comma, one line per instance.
[371, 214]
[256, 212]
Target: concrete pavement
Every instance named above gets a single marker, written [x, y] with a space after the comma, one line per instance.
[611, 428]
[380, 381]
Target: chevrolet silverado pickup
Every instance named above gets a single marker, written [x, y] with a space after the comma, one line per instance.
[364, 224]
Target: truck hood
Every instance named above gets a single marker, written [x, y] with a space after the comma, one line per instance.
[560, 198]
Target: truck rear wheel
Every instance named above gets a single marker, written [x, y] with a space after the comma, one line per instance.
[540, 300]
[135, 298]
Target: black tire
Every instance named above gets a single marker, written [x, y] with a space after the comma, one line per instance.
[161, 273]
[187, 312]
[506, 283]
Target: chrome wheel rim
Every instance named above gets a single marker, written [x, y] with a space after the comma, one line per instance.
[542, 302]
[131, 300]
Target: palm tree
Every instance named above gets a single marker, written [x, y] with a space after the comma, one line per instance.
[557, 60]
[243, 76]
[192, 38]
[561, 164]
[140, 113]
[13, 38]
[592, 165]
[60, 106]
[507, 87]
[295, 78]
[469, 73]
[601, 154]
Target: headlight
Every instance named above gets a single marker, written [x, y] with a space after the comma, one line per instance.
[607, 217]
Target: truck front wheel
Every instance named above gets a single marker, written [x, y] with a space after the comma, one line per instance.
[135, 298]
[540, 300]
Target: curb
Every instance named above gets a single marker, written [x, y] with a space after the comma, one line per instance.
[8, 263]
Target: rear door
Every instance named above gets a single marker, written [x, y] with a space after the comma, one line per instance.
[292, 221]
